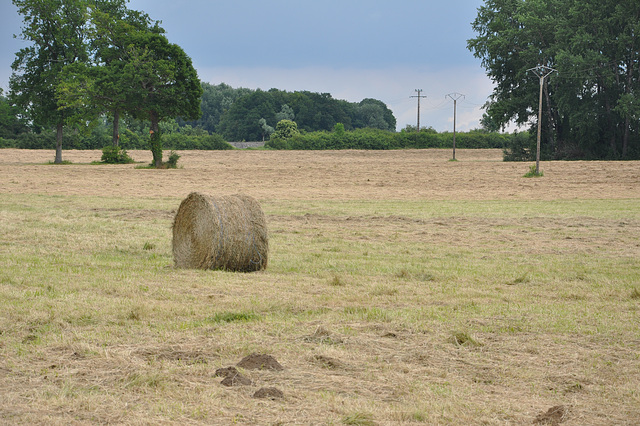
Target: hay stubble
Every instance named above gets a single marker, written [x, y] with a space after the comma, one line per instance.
[378, 261]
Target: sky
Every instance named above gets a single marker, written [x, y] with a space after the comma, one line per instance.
[352, 49]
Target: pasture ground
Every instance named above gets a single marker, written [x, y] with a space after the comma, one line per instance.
[401, 288]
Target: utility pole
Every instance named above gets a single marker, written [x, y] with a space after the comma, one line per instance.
[542, 71]
[454, 97]
[418, 96]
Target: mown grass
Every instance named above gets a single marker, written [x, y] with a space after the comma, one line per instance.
[430, 307]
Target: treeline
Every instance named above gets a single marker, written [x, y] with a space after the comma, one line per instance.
[240, 114]
[592, 57]
[133, 135]
[381, 140]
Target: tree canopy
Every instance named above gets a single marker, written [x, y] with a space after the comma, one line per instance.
[237, 113]
[591, 107]
[57, 30]
[91, 57]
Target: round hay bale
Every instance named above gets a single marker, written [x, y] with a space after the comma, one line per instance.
[227, 232]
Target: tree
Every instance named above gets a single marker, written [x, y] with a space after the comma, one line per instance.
[374, 114]
[286, 113]
[285, 129]
[162, 83]
[216, 100]
[242, 120]
[100, 86]
[588, 103]
[57, 29]
[10, 122]
[266, 129]
[311, 111]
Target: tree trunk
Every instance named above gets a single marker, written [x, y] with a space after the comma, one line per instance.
[116, 128]
[155, 140]
[625, 137]
[59, 128]
[611, 130]
[551, 122]
[627, 121]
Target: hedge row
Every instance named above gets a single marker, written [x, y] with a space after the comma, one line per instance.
[128, 140]
[381, 139]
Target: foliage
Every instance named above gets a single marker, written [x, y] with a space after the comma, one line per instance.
[381, 139]
[172, 161]
[266, 129]
[590, 107]
[163, 83]
[101, 85]
[311, 111]
[115, 155]
[533, 172]
[203, 142]
[521, 147]
[91, 57]
[57, 30]
[285, 129]
[10, 122]
[216, 100]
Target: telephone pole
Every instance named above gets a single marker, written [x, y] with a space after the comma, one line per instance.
[542, 71]
[454, 97]
[418, 96]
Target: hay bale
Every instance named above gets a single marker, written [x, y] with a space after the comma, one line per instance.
[226, 232]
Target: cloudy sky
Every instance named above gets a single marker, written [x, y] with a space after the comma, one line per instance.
[352, 49]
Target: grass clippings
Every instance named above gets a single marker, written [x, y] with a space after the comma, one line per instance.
[542, 273]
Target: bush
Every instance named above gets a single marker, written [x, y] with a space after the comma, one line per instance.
[203, 142]
[520, 147]
[532, 172]
[172, 162]
[115, 155]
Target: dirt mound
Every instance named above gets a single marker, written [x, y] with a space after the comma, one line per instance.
[232, 377]
[328, 362]
[260, 362]
[237, 380]
[268, 393]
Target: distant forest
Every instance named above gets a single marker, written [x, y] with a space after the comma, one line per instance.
[232, 114]
[236, 114]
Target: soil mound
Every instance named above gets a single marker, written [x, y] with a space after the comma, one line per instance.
[260, 362]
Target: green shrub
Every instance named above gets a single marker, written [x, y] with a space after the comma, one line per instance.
[532, 172]
[115, 155]
[520, 147]
[172, 162]
[278, 144]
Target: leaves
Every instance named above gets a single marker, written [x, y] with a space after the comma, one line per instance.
[592, 44]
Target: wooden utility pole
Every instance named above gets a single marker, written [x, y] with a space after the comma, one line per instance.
[542, 71]
[418, 96]
[454, 97]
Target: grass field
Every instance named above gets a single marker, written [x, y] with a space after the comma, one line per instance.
[401, 288]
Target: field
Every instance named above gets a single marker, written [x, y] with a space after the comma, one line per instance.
[401, 288]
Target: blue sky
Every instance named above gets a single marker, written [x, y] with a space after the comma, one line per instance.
[353, 49]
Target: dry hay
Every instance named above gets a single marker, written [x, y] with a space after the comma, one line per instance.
[225, 232]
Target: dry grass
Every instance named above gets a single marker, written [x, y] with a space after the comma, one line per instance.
[401, 288]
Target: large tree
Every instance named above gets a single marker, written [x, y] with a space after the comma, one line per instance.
[163, 83]
[590, 104]
[100, 86]
[57, 30]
